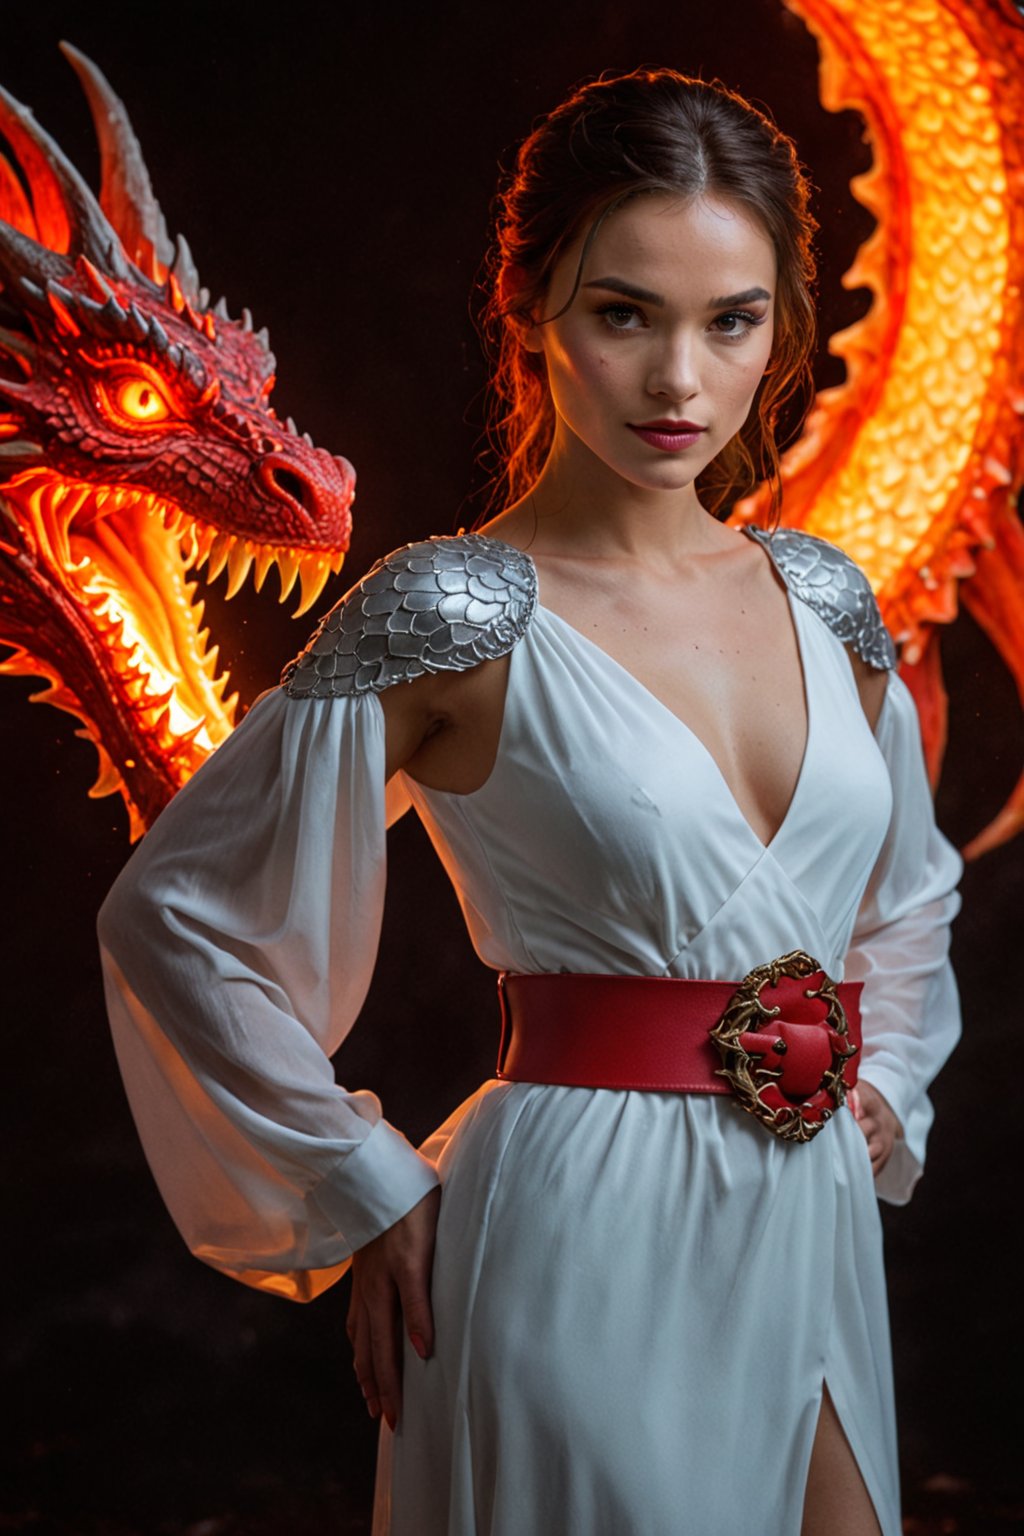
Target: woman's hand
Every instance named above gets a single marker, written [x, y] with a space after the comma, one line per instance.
[878, 1122]
[391, 1282]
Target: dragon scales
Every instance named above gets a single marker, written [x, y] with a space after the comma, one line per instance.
[914, 463]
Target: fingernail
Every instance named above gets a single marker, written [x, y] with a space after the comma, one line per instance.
[373, 1407]
[418, 1345]
[391, 1421]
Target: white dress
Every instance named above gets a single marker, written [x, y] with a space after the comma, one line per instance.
[638, 1296]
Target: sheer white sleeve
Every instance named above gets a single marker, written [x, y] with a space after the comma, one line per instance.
[238, 945]
[900, 948]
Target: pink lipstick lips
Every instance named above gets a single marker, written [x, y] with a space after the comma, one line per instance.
[669, 436]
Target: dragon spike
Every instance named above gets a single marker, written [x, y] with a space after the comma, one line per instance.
[18, 449]
[184, 270]
[100, 288]
[158, 336]
[126, 195]
[138, 322]
[69, 218]
[220, 309]
[175, 294]
[60, 302]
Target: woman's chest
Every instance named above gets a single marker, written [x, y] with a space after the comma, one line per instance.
[605, 797]
[730, 673]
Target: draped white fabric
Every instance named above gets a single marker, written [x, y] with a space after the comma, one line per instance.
[638, 1296]
[238, 945]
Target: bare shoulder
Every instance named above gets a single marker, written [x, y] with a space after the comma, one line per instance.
[443, 728]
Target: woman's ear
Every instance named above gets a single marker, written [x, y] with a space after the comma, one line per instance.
[512, 283]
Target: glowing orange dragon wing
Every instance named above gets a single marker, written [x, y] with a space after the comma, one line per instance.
[912, 465]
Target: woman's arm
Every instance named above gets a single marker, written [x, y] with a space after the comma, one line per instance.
[444, 730]
[900, 950]
[238, 944]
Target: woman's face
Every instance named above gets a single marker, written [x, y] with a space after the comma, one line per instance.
[672, 322]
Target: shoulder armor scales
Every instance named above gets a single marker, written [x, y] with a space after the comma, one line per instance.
[827, 580]
[441, 605]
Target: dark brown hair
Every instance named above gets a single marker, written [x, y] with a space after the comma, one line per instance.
[653, 130]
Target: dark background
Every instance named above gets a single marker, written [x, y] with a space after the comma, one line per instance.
[332, 168]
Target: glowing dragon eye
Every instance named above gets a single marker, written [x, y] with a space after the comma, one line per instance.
[134, 399]
[138, 399]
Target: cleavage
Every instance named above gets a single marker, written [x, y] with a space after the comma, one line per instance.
[743, 697]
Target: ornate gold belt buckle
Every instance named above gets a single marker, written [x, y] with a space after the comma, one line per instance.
[787, 1075]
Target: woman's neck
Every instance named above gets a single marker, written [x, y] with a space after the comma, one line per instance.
[579, 506]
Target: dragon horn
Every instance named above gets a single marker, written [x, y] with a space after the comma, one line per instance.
[68, 217]
[23, 257]
[126, 194]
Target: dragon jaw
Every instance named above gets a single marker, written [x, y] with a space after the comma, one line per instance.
[137, 447]
[100, 595]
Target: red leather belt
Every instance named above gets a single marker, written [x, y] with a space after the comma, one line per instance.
[784, 1041]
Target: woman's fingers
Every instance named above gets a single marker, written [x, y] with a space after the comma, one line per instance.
[413, 1275]
[391, 1292]
[414, 1294]
[878, 1123]
[384, 1331]
[357, 1326]
[879, 1138]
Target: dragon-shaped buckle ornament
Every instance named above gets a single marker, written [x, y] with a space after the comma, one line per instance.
[787, 1074]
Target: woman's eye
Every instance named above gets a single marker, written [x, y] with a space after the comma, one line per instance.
[744, 315]
[618, 316]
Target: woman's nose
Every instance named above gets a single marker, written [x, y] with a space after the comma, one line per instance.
[674, 371]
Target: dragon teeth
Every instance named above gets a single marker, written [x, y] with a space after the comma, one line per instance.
[219, 551]
[239, 561]
[314, 572]
[289, 569]
[202, 536]
[264, 560]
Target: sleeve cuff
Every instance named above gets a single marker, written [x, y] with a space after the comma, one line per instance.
[374, 1185]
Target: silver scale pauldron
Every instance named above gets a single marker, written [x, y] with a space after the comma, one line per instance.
[445, 604]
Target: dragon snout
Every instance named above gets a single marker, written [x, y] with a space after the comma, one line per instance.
[321, 491]
[291, 485]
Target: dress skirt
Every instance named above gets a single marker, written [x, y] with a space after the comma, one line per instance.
[638, 1298]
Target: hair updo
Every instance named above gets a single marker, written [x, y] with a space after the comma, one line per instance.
[653, 130]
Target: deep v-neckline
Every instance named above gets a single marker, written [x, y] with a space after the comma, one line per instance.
[688, 730]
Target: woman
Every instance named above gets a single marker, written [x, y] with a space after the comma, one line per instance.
[646, 745]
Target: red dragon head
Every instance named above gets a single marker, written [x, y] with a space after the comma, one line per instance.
[137, 445]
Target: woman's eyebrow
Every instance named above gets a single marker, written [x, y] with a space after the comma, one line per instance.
[631, 291]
